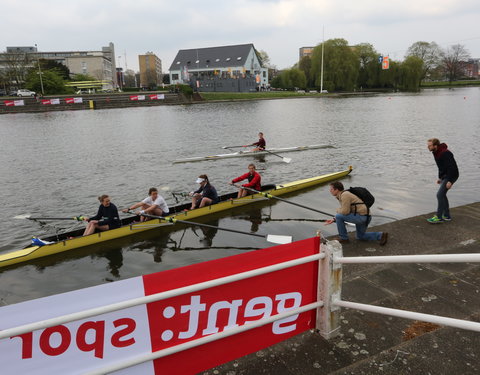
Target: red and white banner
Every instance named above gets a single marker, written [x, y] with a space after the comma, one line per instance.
[137, 97]
[157, 96]
[14, 103]
[73, 100]
[50, 101]
[98, 341]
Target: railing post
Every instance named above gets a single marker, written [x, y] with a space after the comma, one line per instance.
[329, 288]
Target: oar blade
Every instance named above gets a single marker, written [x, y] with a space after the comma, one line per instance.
[274, 238]
[287, 160]
[22, 217]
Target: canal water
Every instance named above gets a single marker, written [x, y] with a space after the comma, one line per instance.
[57, 163]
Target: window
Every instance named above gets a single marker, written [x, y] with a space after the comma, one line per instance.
[178, 62]
[227, 59]
[196, 62]
[217, 60]
[239, 58]
[174, 76]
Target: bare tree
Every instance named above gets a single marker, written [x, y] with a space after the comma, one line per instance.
[453, 61]
[429, 53]
[16, 67]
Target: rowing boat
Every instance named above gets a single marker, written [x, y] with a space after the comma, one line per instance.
[131, 225]
[239, 154]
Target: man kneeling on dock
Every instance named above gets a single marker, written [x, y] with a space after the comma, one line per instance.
[154, 204]
[359, 215]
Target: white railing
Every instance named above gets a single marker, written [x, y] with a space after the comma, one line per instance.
[155, 297]
[336, 302]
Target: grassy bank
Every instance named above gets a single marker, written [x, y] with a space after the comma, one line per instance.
[450, 84]
[252, 95]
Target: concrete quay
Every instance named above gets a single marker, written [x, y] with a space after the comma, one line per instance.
[378, 344]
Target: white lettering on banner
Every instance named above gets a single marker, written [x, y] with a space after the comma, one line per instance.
[261, 307]
[297, 298]
[213, 313]
[266, 311]
[195, 307]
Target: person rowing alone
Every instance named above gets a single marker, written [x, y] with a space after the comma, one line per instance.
[205, 195]
[105, 219]
[260, 145]
[154, 204]
[254, 181]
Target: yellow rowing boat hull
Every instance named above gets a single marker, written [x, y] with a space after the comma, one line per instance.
[35, 252]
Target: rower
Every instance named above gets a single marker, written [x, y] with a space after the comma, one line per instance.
[105, 219]
[205, 195]
[154, 204]
[261, 144]
[254, 181]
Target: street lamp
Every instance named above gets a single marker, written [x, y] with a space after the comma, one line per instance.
[39, 70]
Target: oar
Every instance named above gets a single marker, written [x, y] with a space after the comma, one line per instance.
[29, 217]
[269, 237]
[267, 195]
[286, 160]
[225, 147]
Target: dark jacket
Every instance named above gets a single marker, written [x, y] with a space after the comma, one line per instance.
[447, 166]
[107, 216]
[208, 191]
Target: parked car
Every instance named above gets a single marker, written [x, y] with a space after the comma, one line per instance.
[25, 92]
[3, 92]
[12, 93]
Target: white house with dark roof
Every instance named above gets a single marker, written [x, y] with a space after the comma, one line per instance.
[208, 67]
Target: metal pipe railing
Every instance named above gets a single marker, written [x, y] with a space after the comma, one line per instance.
[154, 297]
[201, 341]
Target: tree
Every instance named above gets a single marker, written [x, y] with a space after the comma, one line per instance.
[53, 83]
[369, 67]
[452, 61]
[129, 78]
[340, 65]
[264, 58]
[429, 53]
[83, 77]
[57, 67]
[411, 73]
[290, 79]
[16, 67]
[305, 65]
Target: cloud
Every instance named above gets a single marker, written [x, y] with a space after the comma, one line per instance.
[279, 27]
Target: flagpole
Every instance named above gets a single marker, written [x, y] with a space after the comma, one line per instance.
[321, 71]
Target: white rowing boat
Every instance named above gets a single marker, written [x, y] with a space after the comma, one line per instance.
[239, 154]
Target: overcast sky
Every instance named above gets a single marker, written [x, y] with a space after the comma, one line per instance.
[279, 27]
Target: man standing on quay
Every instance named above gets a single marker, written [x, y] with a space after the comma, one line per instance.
[352, 209]
[447, 175]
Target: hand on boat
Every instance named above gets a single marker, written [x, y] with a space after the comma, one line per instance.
[330, 221]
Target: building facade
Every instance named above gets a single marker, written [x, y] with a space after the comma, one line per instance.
[305, 51]
[226, 68]
[98, 64]
[150, 70]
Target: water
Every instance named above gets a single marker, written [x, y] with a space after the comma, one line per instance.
[56, 164]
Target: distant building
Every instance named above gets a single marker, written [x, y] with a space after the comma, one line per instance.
[471, 68]
[226, 68]
[98, 64]
[305, 51]
[150, 70]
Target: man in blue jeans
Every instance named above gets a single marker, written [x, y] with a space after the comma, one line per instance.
[447, 175]
[353, 210]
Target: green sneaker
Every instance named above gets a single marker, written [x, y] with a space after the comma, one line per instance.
[446, 218]
[435, 220]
